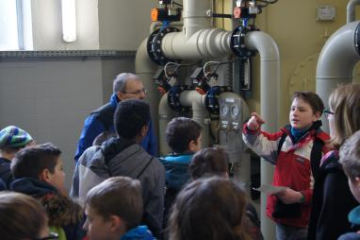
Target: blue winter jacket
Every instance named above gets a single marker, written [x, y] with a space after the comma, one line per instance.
[93, 127]
[176, 167]
[138, 233]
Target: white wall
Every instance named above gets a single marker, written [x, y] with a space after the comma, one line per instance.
[47, 29]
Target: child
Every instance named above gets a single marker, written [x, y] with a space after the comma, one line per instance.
[350, 160]
[183, 137]
[332, 198]
[295, 151]
[38, 172]
[213, 161]
[114, 209]
[22, 217]
[12, 139]
[209, 208]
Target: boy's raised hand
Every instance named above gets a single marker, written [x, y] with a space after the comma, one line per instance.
[255, 122]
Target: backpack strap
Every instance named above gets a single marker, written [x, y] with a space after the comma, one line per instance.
[316, 155]
[281, 142]
[146, 166]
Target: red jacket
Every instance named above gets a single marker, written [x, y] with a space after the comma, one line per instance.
[292, 166]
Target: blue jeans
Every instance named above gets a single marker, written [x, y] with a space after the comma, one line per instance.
[284, 232]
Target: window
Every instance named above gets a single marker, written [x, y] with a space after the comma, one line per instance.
[15, 25]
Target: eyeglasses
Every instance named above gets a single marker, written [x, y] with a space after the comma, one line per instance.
[328, 113]
[137, 92]
[51, 236]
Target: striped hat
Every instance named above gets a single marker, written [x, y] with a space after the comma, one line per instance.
[14, 137]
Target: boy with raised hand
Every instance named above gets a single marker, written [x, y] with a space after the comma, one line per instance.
[114, 209]
[296, 151]
[38, 172]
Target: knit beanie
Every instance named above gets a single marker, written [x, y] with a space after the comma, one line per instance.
[14, 137]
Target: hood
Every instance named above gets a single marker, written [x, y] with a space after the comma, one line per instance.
[32, 187]
[138, 233]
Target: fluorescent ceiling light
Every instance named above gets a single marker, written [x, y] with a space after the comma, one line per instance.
[68, 11]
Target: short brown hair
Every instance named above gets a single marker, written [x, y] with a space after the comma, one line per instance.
[226, 200]
[209, 161]
[180, 132]
[350, 156]
[120, 196]
[315, 102]
[21, 216]
[344, 101]
[30, 162]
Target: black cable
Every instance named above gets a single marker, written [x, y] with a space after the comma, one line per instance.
[177, 4]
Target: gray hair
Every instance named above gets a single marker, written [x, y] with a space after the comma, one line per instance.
[121, 79]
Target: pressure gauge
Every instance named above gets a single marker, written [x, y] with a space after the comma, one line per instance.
[224, 110]
[235, 111]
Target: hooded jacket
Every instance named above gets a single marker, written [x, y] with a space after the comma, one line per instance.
[64, 214]
[121, 157]
[292, 166]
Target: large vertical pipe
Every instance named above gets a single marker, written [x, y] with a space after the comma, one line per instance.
[351, 10]
[195, 16]
[199, 112]
[145, 69]
[165, 116]
[269, 102]
[337, 61]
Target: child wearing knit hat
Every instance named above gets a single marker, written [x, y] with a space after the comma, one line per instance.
[12, 139]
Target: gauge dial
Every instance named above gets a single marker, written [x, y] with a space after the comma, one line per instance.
[224, 110]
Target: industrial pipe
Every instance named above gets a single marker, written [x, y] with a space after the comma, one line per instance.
[165, 116]
[145, 69]
[337, 61]
[269, 103]
[199, 112]
[351, 10]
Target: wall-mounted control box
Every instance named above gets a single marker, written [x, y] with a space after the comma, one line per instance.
[325, 13]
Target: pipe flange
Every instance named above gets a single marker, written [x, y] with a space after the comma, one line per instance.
[173, 98]
[237, 43]
[154, 45]
[357, 39]
[212, 99]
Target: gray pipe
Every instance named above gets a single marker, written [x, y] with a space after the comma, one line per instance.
[269, 102]
[165, 116]
[145, 69]
[199, 113]
[351, 10]
[336, 62]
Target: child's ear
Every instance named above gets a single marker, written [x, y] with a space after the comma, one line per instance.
[144, 130]
[192, 145]
[45, 175]
[357, 182]
[318, 114]
[117, 224]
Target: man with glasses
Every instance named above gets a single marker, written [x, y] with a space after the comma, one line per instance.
[125, 86]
